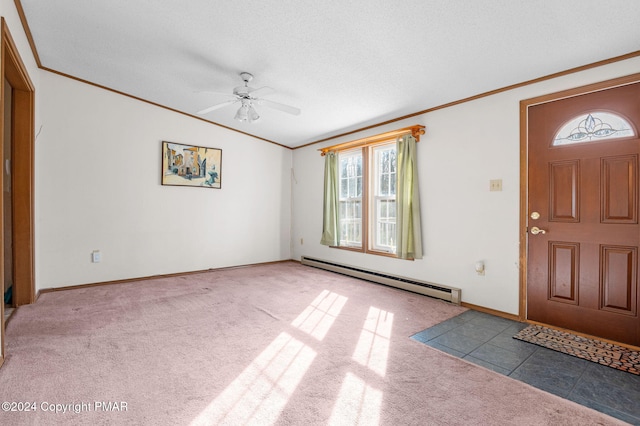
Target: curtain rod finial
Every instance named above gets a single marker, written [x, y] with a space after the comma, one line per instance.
[417, 131]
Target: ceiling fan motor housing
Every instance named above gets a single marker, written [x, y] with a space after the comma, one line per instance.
[242, 91]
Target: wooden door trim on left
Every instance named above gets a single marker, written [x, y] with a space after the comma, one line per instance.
[524, 169]
[22, 178]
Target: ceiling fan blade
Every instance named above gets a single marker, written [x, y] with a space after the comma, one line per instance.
[282, 107]
[216, 106]
[213, 92]
[262, 91]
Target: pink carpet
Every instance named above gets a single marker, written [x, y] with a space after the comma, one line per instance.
[273, 344]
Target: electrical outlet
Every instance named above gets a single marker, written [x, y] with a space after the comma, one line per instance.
[301, 241]
[495, 185]
[96, 256]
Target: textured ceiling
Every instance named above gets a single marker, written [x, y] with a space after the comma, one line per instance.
[345, 64]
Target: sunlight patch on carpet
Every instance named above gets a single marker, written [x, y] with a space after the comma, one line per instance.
[318, 317]
[372, 349]
[358, 403]
[261, 391]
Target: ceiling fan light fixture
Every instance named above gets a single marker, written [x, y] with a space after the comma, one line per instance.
[242, 113]
[247, 112]
[253, 114]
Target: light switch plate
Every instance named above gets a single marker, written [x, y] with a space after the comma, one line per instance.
[495, 185]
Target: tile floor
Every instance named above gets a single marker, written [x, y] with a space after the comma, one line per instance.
[488, 341]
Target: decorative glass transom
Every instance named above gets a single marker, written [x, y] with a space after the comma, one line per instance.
[593, 127]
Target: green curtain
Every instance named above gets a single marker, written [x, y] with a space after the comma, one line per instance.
[408, 230]
[330, 211]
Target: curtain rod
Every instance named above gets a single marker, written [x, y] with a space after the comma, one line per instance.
[415, 131]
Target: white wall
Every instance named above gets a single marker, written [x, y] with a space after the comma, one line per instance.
[98, 161]
[464, 147]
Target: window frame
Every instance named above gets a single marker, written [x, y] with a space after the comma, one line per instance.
[348, 199]
[375, 196]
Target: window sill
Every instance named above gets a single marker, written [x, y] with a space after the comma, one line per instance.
[374, 252]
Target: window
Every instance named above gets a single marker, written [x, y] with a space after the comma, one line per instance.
[350, 212]
[367, 179]
[384, 198]
[371, 197]
[592, 127]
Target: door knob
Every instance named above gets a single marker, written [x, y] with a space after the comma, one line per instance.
[535, 231]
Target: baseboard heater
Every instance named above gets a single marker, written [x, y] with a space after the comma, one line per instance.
[438, 291]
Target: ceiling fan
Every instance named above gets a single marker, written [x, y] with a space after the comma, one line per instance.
[248, 97]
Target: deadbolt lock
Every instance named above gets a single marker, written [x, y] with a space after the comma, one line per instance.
[535, 215]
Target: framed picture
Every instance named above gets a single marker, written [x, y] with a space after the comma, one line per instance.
[188, 165]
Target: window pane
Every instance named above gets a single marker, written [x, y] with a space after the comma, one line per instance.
[355, 210]
[351, 198]
[385, 162]
[593, 127]
[385, 170]
[344, 186]
[386, 235]
[392, 172]
[383, 207]
[384, 184]
[385, 224]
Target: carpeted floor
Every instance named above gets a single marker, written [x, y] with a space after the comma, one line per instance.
[273, 344]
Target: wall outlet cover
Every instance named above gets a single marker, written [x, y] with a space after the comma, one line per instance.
[495, 185]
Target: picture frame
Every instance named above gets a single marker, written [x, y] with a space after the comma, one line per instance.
[191, 165]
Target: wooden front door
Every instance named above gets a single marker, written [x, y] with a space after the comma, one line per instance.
[583, 232]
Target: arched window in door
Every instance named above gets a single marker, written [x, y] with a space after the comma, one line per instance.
[593, 127]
